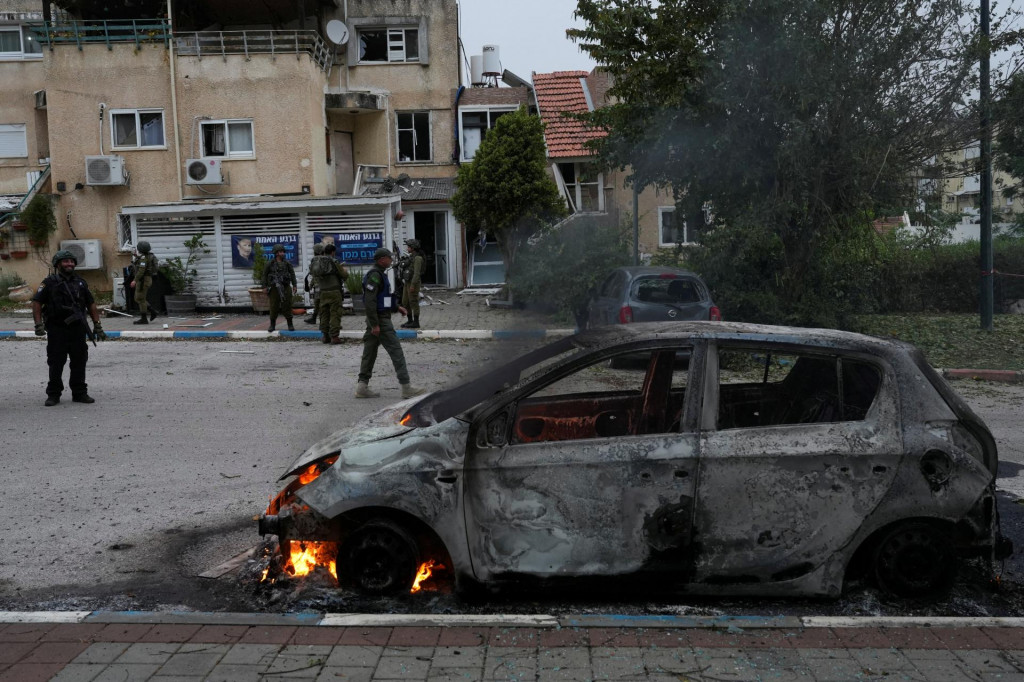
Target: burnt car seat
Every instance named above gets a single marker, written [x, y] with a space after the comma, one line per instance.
[810, 393]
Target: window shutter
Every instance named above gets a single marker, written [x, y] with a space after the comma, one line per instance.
[13, 141]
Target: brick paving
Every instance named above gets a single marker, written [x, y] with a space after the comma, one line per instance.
[88, 652]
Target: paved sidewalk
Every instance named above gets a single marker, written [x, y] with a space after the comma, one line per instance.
[163, 647]
[450, 316]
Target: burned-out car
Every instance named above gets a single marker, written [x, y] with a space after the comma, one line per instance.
[741, 459]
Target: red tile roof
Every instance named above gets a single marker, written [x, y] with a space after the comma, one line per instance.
[560, 92]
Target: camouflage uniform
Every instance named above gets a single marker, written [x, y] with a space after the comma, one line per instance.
[318, 250]
[330, 288]
[412, 274]
[144, 265]
[279, 280]
[379, 305]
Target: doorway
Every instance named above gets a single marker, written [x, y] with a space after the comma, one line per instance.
[344, 166]
[431, 228]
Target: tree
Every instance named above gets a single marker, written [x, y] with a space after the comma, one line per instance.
[800, 121]
[506, 191]
[1008, 147]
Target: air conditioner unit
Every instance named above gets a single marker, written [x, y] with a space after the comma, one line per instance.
[88, 252]
[105, 170]
[203, 172]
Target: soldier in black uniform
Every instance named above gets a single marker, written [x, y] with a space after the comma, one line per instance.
[64, 300]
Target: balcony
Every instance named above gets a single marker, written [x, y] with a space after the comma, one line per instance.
[222, 43]
[191, 43]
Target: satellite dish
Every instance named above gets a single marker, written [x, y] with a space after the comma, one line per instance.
[337, 32]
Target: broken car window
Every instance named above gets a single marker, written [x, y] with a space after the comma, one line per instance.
[602, 401]
[759, 387]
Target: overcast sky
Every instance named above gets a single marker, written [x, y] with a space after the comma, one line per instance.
[530, 34]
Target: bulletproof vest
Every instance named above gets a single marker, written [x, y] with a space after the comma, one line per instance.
[145, 265]
[277, 273]
[384, 290]
[66, 297]
[329, 281]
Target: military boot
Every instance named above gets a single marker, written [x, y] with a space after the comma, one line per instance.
[414, 323]
[273, 325]
[152, 315]
[310, 320]
[326, 338]
[142, 320]
[291, 327]
[410, 391]
[363, 391]
[407, 323]
[52, 400]
[336, 340]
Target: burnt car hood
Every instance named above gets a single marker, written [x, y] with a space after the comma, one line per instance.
[374, 427]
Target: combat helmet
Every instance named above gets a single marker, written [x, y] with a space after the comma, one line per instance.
[279, 247]
[318, 249]
[62, 255]
[414, 243]
[381, 252]
[144, 247]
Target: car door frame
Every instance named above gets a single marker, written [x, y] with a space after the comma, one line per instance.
[781, 467]
[673, 468]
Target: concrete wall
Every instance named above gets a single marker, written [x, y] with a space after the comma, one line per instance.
[408, 87]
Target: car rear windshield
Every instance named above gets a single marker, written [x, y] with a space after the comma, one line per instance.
[667, 290]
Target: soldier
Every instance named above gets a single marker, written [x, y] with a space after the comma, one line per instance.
[412, 272]
[144, 267]
[63, 300]
[379, 331]
[279, 281]
[330, 277]
[310, 284]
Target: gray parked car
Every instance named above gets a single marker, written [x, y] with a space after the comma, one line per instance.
[773, 461]
[651, 294]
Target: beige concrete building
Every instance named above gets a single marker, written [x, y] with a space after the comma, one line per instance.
[24, 138]
[260, 123]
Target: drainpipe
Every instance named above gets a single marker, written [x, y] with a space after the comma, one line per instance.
[174, 99]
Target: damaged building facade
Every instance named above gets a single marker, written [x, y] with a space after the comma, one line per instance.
[281, 122]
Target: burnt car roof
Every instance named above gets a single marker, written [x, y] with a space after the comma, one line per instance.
[460, 398]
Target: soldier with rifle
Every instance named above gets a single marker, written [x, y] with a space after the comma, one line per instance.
[279, 282]
[60, 309]
[310, 284]
[411, 271]
[144, 269]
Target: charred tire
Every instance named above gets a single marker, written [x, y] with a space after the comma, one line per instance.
[379, 557]
[915, 559]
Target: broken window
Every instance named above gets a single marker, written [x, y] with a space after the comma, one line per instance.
[414, 136]
[384, 45]
[765, 387]
[227, 138]
[597, 401]
[475, 125]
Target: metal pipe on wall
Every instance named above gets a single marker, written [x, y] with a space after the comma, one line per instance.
[174, 100]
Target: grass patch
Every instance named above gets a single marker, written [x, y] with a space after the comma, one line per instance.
[954, 341]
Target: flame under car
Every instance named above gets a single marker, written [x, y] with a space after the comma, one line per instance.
[737, 459]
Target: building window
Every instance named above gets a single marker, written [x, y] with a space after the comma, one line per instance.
[17, 42]
[475, 124]
[137, 128]
[414, 136]
[382, 45]
[124, 233]
[13, 141]
[231, 138]
[671, 231]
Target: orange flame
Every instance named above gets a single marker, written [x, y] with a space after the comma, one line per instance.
[305, 556]
[405, 420]
[426, 570]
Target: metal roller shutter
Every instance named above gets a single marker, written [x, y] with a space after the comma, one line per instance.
[238, 280]
[167, 237]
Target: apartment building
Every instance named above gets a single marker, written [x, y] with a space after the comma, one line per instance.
[257, 124]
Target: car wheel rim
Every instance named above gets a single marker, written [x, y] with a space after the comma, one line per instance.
[380, 561]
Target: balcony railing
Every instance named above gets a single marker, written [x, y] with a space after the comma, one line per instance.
[198, 43]
[81, 33]
[222, 43]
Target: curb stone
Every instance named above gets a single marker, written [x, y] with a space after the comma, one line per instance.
[1006, 376]
[307, 335]
[504, 620]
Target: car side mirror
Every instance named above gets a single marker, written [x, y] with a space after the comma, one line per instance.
[495, 432]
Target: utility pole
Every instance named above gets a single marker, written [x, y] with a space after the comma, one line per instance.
[636, 226]
[986, 173]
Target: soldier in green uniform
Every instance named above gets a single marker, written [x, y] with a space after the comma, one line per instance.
[318, 250]
[412, 273]
[279, 281]
[330, 276]
[379, 330]
[144, 265]
[63, 300]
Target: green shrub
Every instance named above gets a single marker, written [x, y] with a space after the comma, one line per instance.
[8, 280]
[560, 269]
